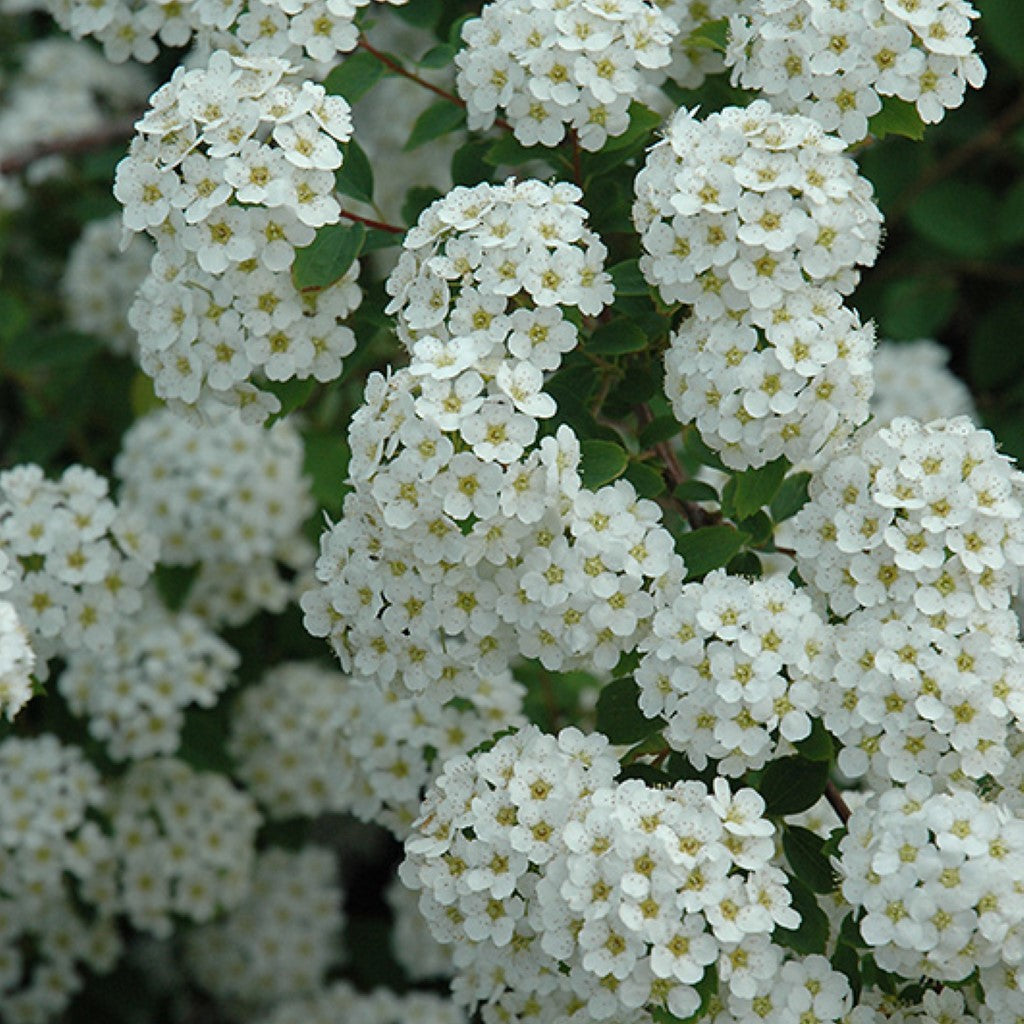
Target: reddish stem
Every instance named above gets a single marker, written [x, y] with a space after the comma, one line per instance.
[100, 136]
[379, 224]
[835, 798]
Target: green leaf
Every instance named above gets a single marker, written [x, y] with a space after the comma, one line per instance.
[897, 117]
[469, 163]
[958, 216]
[811, 936]
[355, 76]
[791, 785]
[36, 350]
[700, 452]
[290, 393]
[509, 151]
[439, 56]
[438, 119]
[628, 280]
[746, 563]
[695, 490]
[355, 176]
[710, 547]
[791, 496]
[377, 238]
[993, 363]
[327, 258]
[619, 716]
[642, 121]
[173, 582]
[817, 746]
[421, 13]
[661, 428]
[326, 462]
[755, 488]
[601, 462]
[617, 337]
[803, 851]
[711, 35]
[417, 199]
[142, 396]
[649, 483]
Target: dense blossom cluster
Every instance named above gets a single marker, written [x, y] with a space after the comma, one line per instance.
[551, 879]
[281, 940]
[100, 282]
[463, 540]
[78, 561]
[296, 30]
[551, 67]
[232, 170]
[736, 669]
[757, 221]
[912, 379]
[834, 62]
[914, 536]
[937, 877]
[183, 844]
[134, 693]
[52, 852]
[309, 741]
[17, 658]
[227, 494]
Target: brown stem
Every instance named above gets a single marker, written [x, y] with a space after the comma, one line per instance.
[98, 137]
[378, 224]
[577, 167]
[397, 68]
[835, 798]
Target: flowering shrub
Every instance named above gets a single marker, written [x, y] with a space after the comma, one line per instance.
[469, 559]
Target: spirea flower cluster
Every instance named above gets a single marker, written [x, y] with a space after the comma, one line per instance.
[133, 695]
[757, 221]
[736, 669]
[835, 62]
[553, 880]
[341, 1001]
[914, 537]
[296, 30]
[183, 844]
[281, 940]
[53, 853]
[228, 495]
[231, 171]
[17, 658]
[550, 67]
[78, 561]
[935, 879]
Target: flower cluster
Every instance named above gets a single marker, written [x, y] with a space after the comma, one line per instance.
[735, 667]
[413, 945]
[227, 494]
[183, 844]
[100, 282]
[341, 1002]
[757, 221]
[550, 878]
[17, 658]
[912, 379]
[463, 542]
[300, 31]
[78, 561]
[281, 940]
[914, 535]
[936, 876]
[134, 693]
[231, 171]
[308, 741]
[834, 62]
[550, 66]
[52, 851]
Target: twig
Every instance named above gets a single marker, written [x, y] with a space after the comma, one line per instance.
[94, 139]
[378, 224]
[835, 798]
